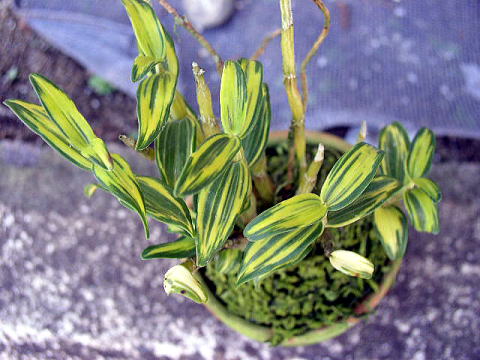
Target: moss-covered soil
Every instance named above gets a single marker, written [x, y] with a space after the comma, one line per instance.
[311, 294]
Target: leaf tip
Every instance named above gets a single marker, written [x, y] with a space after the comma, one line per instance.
[145, 254]
[352, 264]
[180, 280]
[241, 279]
[8, 103]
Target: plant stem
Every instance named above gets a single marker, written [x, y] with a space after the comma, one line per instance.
[204, 100]
[265, 43]
[314, 49]
[131, 143]
[398, 196]
[263, 182]
[183, 21]
[291, 87]
[251, 212]
[307, 183]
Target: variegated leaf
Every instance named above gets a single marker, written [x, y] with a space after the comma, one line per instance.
[423, 211]
[351, 263]
[392, 227]
[395, 143]
[163, 206]
[228, 261]
[173, 147]
[122, 183]
[37, 120]
[421, 153]
[296, 212]
[207, 163]
[142, 66]
[233, 99]
[271, 253]
[429, 187]
[184, 247]
[256, 139]
[76, 130]
[171, 61]
[350, 176]
[218, 206]
[292, 262]
[154, 98]
[179, 108]
[148, 30]
[380, 190]
[180, 280]
[253, 71]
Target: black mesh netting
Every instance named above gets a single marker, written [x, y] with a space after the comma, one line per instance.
[385, 60]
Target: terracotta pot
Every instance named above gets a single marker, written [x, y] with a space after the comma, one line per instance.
[263, 333]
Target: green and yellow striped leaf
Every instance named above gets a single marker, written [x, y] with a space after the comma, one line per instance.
[253, 71]
[292, 262]
[171, 59]
[233, 99]
[395, 143]
[207, 163]
[429, 187]
[351, 263]
[173, 147]
[380, 190]
[179, 109]
[228, 261]
[37, 120]
[76, 130]
[271, 253]
[163, 206]
[256, 139]
[183, 247]
[298, 211]
[142, 66]
[421, 153]
[180, 280]
[350, 176]
[218, 206]
[154, 98]
[392, 227]
[422, 210]
[148, 30]
[122, 183]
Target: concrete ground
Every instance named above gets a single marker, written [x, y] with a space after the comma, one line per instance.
[72, 285]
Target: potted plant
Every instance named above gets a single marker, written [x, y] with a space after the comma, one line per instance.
[287, 239]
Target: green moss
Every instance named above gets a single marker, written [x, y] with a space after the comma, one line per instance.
[308, 295]
[311, 294]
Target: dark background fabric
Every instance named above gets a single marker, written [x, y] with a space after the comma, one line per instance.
[385, 60]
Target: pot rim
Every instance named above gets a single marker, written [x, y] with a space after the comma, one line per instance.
[264, 333]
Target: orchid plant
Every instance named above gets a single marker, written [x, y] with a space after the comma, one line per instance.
[213, 177]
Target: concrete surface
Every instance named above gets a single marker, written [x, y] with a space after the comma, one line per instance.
[72, 285]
